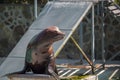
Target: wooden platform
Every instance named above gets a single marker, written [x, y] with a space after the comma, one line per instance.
[111, 72]
[47, 77]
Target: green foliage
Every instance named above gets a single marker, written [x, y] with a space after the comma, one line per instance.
[117, 2]
[23, 1]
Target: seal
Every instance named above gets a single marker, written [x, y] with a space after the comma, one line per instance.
[40, 55]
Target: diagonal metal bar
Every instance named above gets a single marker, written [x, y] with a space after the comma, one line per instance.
[83, 53]
[116, 54]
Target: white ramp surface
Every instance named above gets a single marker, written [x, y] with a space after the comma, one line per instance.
[66, 15]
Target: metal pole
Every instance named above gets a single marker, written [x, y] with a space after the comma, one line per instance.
[82, 52]
[35, 8]
[93, 40]
[93, 35]
[81, 39]
[98, 6]
[81, 35]
[103, 35]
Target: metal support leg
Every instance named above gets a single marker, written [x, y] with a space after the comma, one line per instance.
[83, 53]
[81, 40]
[35, 8]
[93, 39]
[93, 36]
[103, 35]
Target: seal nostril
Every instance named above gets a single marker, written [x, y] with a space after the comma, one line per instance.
[36, 54]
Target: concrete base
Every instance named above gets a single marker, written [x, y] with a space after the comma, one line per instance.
[30, 77]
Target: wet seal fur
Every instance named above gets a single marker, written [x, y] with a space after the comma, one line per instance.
[39, 54]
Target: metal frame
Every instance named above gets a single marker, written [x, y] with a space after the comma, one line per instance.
[103, 35]
[35, 8]
[73, 29]
[91, 63]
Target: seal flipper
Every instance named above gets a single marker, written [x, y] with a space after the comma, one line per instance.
[55, 75]
[52, 69]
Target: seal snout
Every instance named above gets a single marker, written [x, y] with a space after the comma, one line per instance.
[56, 33]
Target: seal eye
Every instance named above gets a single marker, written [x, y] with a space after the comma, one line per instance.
[44, 52]
[55, 31]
